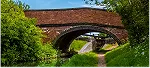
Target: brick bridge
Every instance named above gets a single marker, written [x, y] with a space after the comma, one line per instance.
[63, 25]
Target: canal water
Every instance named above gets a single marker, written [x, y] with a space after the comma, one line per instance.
[41, 63]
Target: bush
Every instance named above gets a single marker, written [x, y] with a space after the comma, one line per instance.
[21, 39]
[48, 52]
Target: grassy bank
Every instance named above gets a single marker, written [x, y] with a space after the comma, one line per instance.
[127, 56]
[82, 60]
[76, 45]
[109, 46]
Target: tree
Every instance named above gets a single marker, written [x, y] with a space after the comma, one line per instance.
[134, 15]
[22, 5]
[20, 38]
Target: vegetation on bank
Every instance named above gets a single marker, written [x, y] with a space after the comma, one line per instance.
[21, 39]
[82, 60]
[127, 56]
[76, 45]
[47, 52]
[109, 46]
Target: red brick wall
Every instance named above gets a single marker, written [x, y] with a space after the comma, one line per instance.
[75, 16]
[78, 15]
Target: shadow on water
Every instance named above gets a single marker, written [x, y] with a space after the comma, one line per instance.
[40, 63]
[53, 62]
[47, 62]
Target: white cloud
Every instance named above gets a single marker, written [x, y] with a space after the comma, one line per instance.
[92, 6]
[85, 5]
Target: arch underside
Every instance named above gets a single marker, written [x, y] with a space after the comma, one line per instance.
[64, 40]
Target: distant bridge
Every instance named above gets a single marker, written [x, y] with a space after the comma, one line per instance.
[64, 25]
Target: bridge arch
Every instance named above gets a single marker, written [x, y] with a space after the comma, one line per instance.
[64, 40]
[55, 24]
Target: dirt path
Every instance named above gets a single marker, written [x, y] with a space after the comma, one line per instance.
[101, 60]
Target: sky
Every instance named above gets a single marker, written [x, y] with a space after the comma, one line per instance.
[57, 4]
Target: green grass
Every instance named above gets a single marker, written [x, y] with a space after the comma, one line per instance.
[107, 46]
[117, 51]
[47, 63]
[77, 44]
[127, 56]
[82, 60]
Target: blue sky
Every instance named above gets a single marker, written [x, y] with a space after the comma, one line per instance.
[57, 4]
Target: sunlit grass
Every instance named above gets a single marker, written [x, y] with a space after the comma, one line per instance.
[82, 60]
[127, 56]
[77, 45]
[118, 51]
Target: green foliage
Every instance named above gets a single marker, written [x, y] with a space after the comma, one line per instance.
[21, 39]
[48, 52]
[92, 2]
[137, 56]
[47, 63]
[135, 17]
[22, 5]
[43, 63]
[77, 45]
[82, 60]
[103, 35]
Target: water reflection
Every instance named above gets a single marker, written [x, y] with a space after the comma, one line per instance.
[41, 63]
